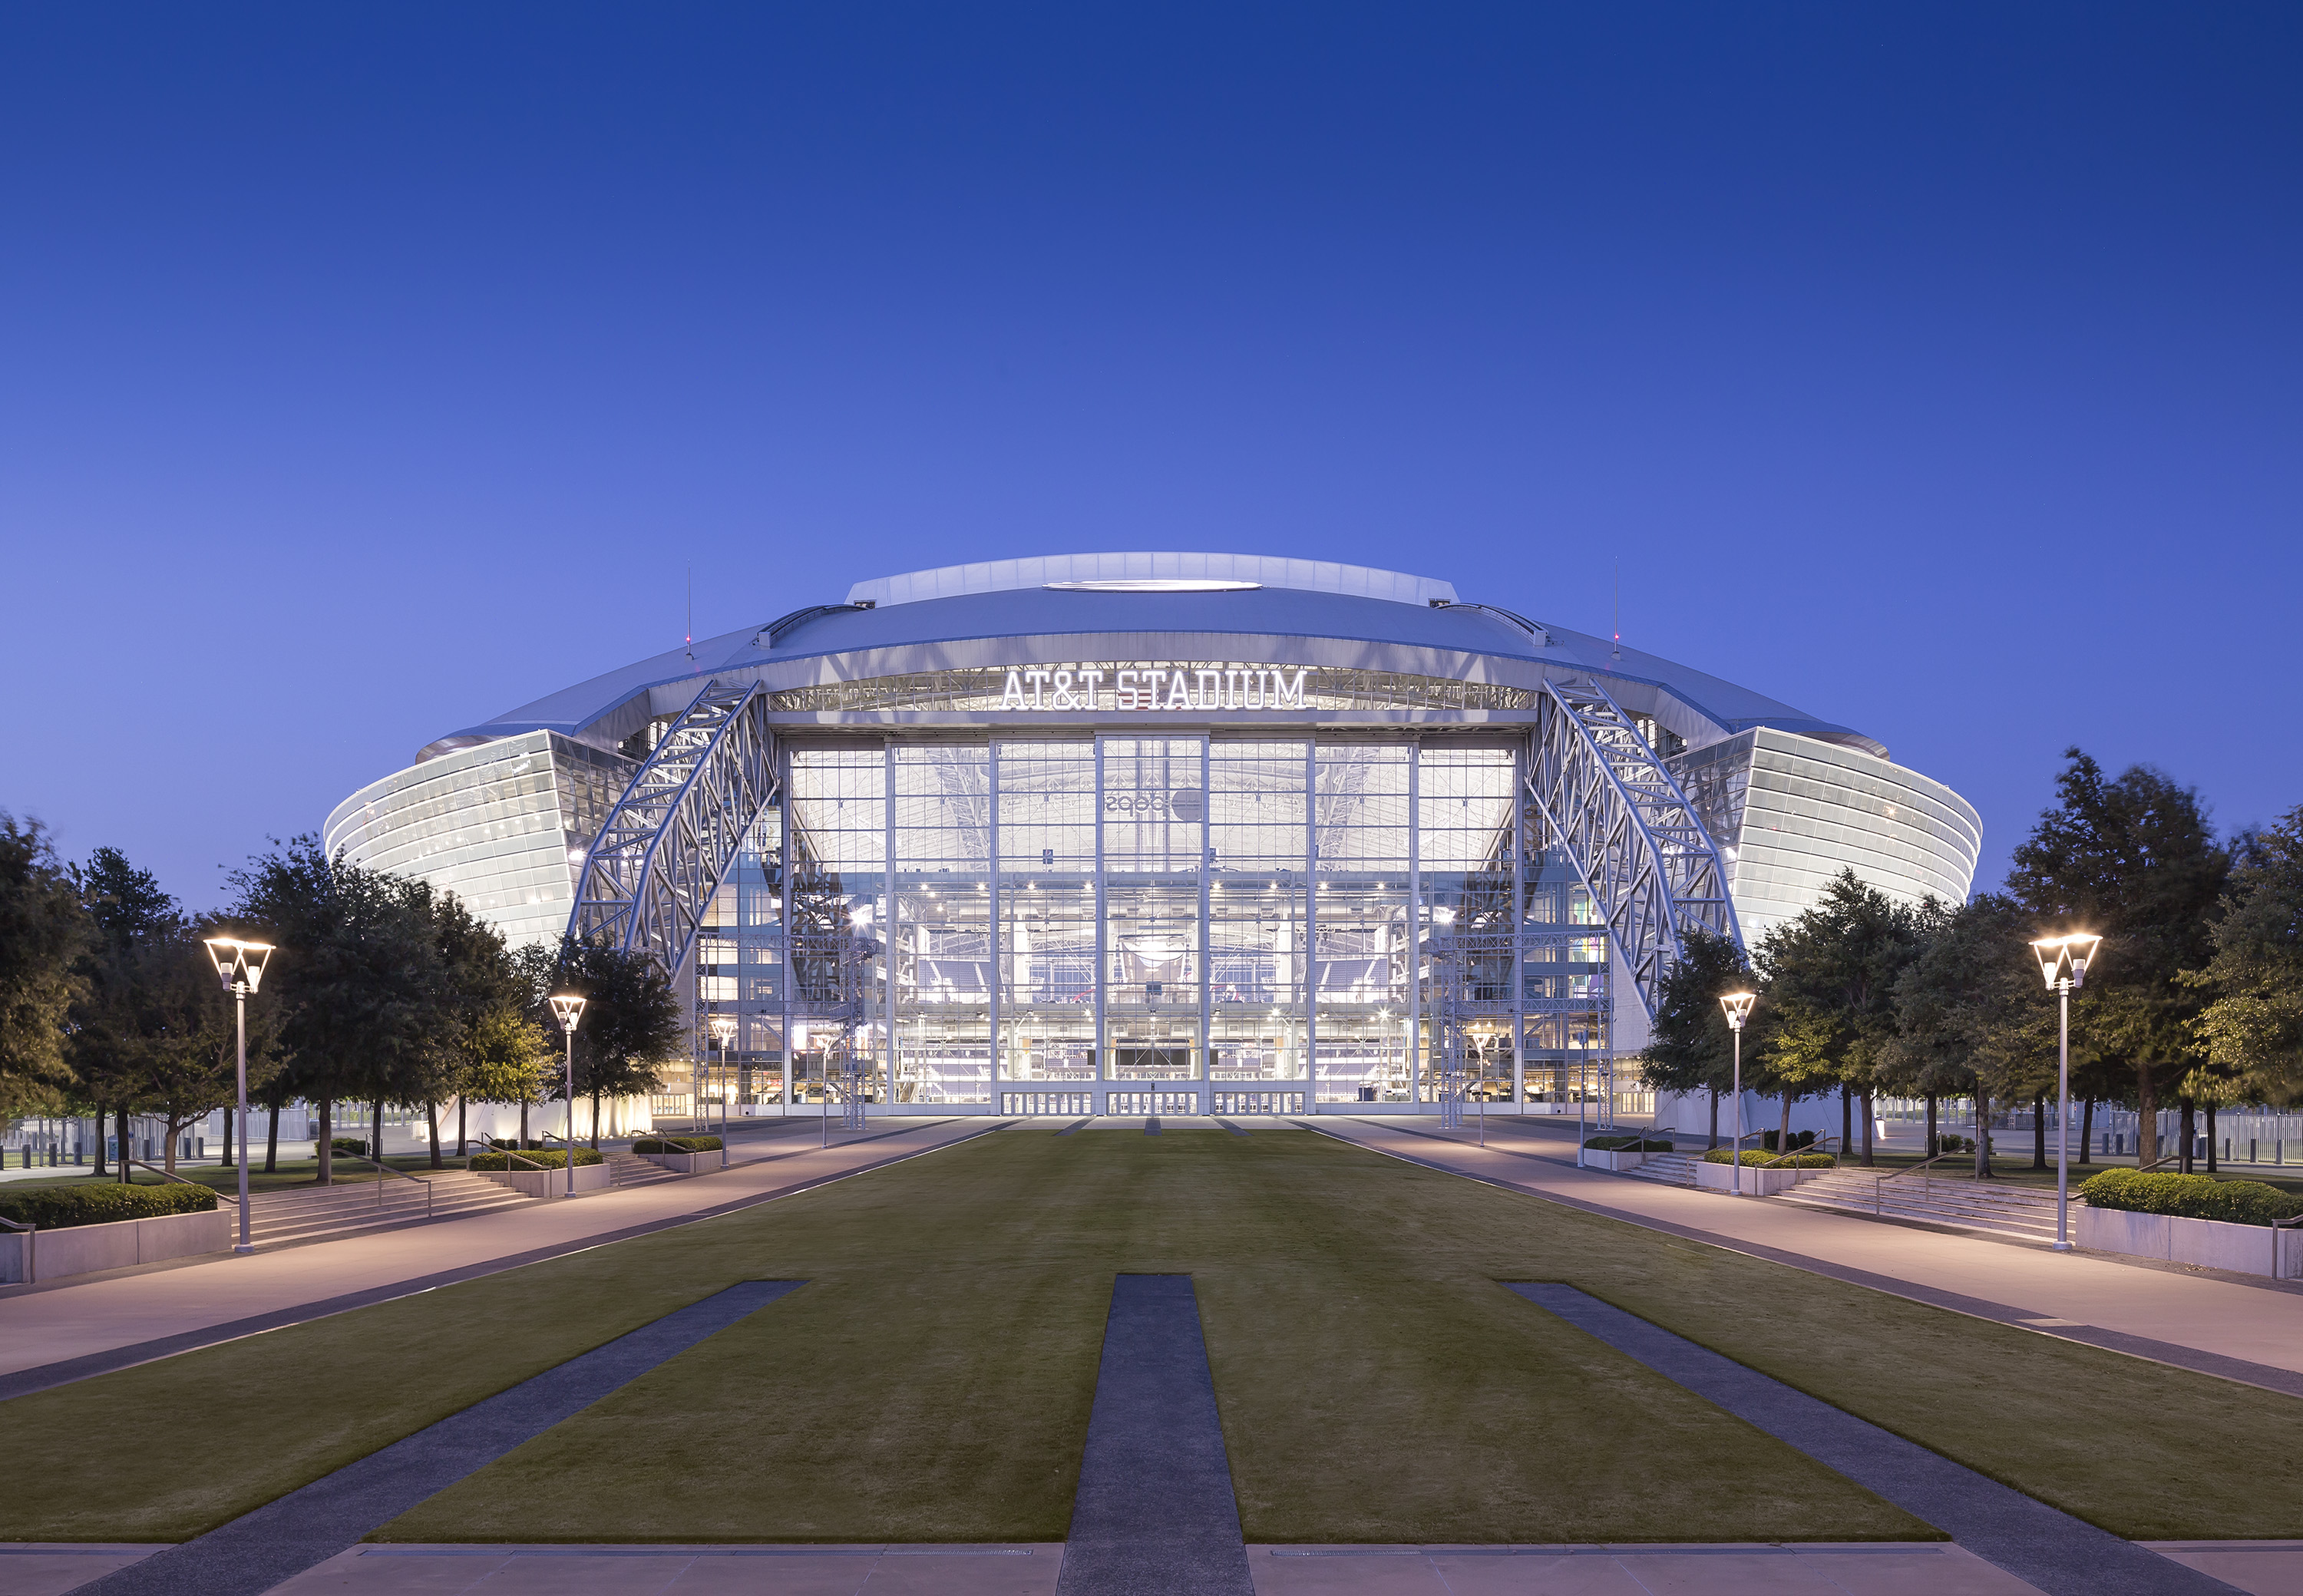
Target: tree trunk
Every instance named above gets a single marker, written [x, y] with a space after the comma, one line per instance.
[462, 1142]
[523, 1125]
[2211, 1139]
[375, 1134]
[1932, 1148]
[272, 1142]
[1714, 1117]
[227, 1138]
[595, 1121]
[324, 1146]
[127, 1149]
[100, 1165]
[2039, 1130]
[2189, 1130]
[2087, 1129]
[1846, 1118]
[1784, 1142]
[1982, 1135]
[2146, 1117]
[432, 1111]
[1868, 1121]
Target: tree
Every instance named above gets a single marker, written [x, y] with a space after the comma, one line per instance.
[1831, 975]
[1971, 1014]
[1692, 1049]
[631, 1020]
[2252, 1027]
[362, 995]
[43, 933]
[186, 1043]
[485, 1051]
[508, 1058]
[2133, 860]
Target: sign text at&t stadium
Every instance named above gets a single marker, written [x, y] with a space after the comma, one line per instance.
[1082, 687]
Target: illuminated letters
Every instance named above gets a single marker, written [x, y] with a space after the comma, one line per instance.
[1078, 688]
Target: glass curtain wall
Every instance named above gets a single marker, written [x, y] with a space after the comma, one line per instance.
[1465, 808]
[739, 981]
[1045, 888]
[1563, 975]
[837, 930]
[1153, 809]
[1258, 907]
[941, 939]
[1361, 967]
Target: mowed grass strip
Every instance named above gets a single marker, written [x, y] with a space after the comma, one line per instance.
[932, 1381]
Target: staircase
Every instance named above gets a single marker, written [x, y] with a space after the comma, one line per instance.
[1666, 1169]
[1971, 1204]
[629, 1169]
[324, 1212]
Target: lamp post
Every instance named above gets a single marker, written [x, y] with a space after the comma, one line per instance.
[570, 1008]
[2063, 963]
[724, 1032]
[240, 967]
[1738, 1005]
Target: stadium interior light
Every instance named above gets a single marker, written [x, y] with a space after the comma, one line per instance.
[240, 965]
[2063, 963]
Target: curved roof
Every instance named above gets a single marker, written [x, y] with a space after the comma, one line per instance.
[1236, 606]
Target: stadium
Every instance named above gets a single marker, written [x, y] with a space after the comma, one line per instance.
[1160, 833]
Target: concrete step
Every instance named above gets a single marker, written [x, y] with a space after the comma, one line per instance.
[1974, 1205]
[313, 1212]
[1666, 1169]
[629, 1169]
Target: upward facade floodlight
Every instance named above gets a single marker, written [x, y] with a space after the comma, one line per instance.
[2063, 963]
[240, 965]
[1738, 1005]
[570, 1008]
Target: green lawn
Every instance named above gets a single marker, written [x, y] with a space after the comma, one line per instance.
[933, 1380]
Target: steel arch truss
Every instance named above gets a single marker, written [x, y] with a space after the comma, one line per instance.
[670, 837]
[1629, 830]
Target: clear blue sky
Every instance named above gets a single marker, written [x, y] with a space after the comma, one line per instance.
[368, 369]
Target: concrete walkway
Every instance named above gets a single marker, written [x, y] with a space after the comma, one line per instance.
[49, 1334]
[2216, 1323]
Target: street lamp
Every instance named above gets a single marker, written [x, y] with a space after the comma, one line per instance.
[724, 1032]
[1738, 1005]
[570, 1008]
[2063, 963]
[240, 967]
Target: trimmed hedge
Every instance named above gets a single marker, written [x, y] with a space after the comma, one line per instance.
[62, 1207]
[1798, 1160]
[677, 1144]
[1800, 1138]
[2191, 1197]
[549, 1157]
[350, 1146]
[1626, 1144]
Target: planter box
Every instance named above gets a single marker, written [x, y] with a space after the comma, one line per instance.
[83, 1249]
[686, 1163]
[1756, 1182]
[1594, 1159]
[2209, 1243]
[548, 1183]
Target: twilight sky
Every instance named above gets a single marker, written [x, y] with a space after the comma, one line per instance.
[368, 369]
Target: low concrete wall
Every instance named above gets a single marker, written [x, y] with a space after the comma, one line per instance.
[83, 1249]
[688, 1163]
[1595, 1159]
[2209, 1243]
[1756, 1182]
[547, 1183]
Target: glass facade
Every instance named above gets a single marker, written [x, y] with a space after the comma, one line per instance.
[504, 825]
[1789, 812]
[1081, 924]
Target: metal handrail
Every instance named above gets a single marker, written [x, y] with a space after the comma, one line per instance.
[1879, 1182]
[385, 1169]
[1820, 1146]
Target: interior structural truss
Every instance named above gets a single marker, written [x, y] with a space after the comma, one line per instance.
[1629, 830]
[670, 837]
